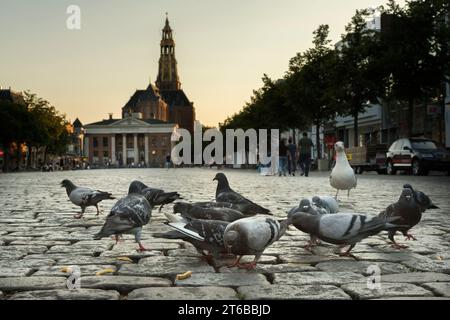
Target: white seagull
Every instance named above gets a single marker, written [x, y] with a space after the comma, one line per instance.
[342, 176]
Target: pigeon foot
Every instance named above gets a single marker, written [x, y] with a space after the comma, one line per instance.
[248, 266]
[398, 246]
[142, 248]
[409, 236]
[78, 216]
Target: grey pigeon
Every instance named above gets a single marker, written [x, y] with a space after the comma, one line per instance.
[157, 196]
[204, 235]
[329, 203]
[306, 206]
[84, 197]
[132, 212]
[127, 216]
[189, 210]
[344, 229]
[225, 194]
[241, 207]
[408, 209]
[251, 236]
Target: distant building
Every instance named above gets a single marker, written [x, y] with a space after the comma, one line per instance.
[165, 100]
[132, 140]
[142, 136]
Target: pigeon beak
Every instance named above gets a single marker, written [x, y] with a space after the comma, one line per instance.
[433, 206]
[214, 179]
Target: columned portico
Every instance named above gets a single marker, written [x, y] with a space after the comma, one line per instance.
[137, 134]
[124, 149]
[113, 149]
[135, 149]
[146, 148]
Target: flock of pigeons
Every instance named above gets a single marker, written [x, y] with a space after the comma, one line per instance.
[234, 225]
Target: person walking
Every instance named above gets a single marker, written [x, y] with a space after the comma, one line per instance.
[292, 160]
[283, 157]
[305, 144]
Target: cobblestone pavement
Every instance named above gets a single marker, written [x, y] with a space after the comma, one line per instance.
[39, 236]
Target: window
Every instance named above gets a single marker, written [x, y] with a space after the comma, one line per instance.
[424, 144]
[95, 142]
[95, 154]
[105, 141]
[105, 154]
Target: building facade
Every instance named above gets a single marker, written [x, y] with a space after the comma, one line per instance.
[131, 141]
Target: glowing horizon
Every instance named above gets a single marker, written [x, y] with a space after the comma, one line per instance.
[222, 49]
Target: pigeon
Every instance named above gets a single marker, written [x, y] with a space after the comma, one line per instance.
[134, 211]
[158, 197]
[344, 229]
[127, 216]
[307, 206]
[330, 204]
[251, 236]
[225, 194]
[241, 207]
[188, 210]
[422, 199]
[84, 197]
[342, 176]
[204, 235]
[408, 209]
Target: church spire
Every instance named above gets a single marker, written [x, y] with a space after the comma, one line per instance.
[167, 74]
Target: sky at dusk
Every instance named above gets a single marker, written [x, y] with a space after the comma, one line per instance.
[222, 48]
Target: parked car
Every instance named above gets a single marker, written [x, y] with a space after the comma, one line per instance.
[418, 155]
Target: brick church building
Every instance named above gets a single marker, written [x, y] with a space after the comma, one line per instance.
[149, 118]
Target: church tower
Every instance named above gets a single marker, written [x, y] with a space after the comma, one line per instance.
[167, 74]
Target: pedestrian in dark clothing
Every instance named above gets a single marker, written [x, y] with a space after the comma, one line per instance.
[292, 153]
[282, 155]
[305, 144]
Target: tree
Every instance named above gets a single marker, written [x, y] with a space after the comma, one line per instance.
[16, 122]
[359, 80]
[415, 52]
[310, 83]
[48, 129]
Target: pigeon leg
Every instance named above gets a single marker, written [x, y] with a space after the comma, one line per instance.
[160, 208]
[98, 211]
[80, 215]
[409, 236]
[348, 193]
[235, 263]
[337, 192]
[250, 265]
[394, 244]
[347, 253]
[118, 238]
[137, 237]
[142, 248]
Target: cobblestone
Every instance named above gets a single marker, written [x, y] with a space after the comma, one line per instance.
[39, 236]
